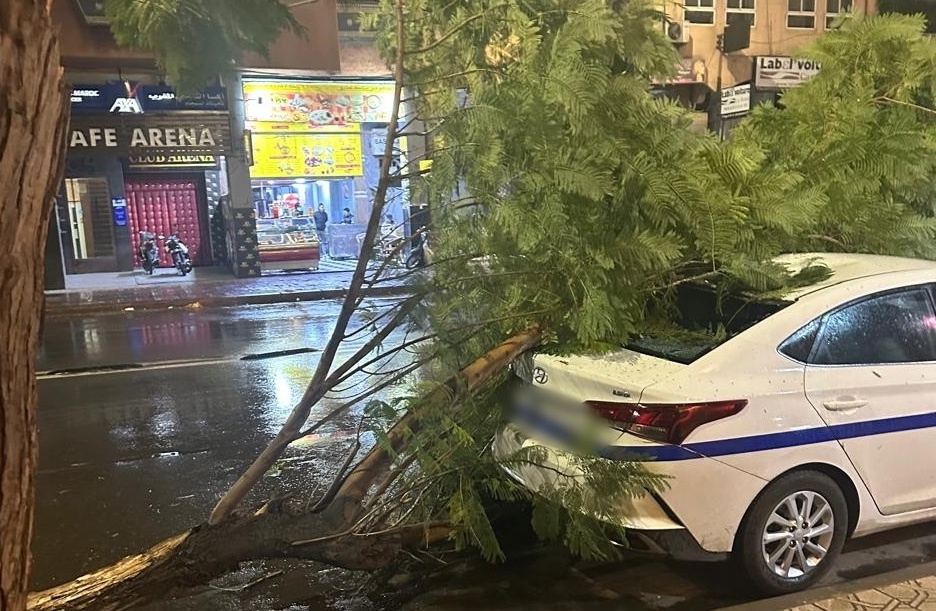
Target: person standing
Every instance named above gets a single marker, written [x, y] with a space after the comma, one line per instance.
[347, 218]
[320, 218]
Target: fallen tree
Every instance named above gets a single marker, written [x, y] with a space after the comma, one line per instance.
[379, 504]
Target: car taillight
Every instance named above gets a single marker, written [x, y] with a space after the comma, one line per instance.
[670, 423]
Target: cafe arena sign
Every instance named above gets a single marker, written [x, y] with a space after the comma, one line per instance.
[141, 135]
[153, 137]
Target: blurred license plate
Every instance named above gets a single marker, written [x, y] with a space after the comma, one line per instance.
[557, 416]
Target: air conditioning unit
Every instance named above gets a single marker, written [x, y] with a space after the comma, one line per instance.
[92, 11]
[677, 32]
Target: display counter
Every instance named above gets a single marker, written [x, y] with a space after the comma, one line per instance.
[287, 244]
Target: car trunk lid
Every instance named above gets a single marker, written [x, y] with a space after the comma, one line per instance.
[621, 375]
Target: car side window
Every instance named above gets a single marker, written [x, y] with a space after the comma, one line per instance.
[799, 345]
[895, 327]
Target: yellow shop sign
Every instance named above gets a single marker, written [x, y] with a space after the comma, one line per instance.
[278, 106]
[306, 155]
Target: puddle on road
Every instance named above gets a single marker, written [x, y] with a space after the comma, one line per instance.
[551, 580]
[316, 439]
[294, 586]
[546, 581]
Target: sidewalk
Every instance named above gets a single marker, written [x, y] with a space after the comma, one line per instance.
[910, 588]
[205, 287]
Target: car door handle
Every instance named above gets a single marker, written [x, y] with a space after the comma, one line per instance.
[840, 405]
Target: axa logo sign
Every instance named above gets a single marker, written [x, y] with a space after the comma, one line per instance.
[129, 105]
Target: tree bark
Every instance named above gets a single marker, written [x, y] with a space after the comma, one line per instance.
[198, 556]
[33, 125]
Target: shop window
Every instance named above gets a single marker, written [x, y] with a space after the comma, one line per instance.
[291, 234]
[700, 11]
[801, 14]
[740, 7]
[834, 8]
[89, 217]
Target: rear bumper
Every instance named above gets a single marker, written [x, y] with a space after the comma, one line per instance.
[650, 525]
[676, 544]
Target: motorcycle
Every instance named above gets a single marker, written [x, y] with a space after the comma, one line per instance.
[419, 252]
[389, 246]
[148, 253]
[179, 253]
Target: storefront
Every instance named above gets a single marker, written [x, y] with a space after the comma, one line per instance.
[140, 158]
[317, 145]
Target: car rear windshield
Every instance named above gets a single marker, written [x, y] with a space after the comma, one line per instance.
[703, 320]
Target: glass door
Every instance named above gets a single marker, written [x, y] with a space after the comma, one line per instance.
[90, 226]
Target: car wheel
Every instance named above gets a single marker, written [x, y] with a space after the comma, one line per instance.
[793, 533]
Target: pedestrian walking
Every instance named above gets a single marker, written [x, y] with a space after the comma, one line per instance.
[320, 218]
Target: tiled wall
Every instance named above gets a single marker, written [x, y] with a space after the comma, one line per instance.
[241, 240]
[213, 190]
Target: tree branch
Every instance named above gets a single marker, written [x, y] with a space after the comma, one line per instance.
[317, 388]
[442, 39]
[378, 460]
[883, 99]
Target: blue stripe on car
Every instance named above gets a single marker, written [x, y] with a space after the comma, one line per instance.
[753, 443]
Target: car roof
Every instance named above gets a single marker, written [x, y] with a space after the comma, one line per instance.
[847, 266]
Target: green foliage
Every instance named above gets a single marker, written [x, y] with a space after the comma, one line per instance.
[564, 194]
[861, 133]
[590, 193]
[567, 207]
[196, 40]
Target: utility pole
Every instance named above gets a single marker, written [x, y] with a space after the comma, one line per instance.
[720, 47]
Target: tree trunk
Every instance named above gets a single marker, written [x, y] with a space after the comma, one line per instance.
[33, 124]
[198, 556]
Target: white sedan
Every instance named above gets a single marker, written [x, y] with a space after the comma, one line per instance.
[811, 423]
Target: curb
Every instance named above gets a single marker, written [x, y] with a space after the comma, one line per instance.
[790, 601]
[55, 310]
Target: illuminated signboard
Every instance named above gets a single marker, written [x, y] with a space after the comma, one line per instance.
[135, 98]
[281, 106]
[306, 155]
[151, 135]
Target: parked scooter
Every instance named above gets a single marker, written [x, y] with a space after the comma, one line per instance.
[419, 253]
[389, 246]
[179, 253]
[149, 256]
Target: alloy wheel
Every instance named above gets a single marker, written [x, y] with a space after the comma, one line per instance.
[798, 534]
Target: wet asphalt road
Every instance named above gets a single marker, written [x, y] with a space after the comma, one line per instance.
[131, 456]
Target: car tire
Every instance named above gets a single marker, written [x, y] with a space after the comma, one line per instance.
[772, 550]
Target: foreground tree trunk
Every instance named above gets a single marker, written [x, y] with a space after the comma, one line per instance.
[33, 124]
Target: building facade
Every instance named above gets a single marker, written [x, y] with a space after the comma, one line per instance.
[316, 145]
[778, 28]
[143, 158]
[356, 49]
[140, 158]
[316, 141]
